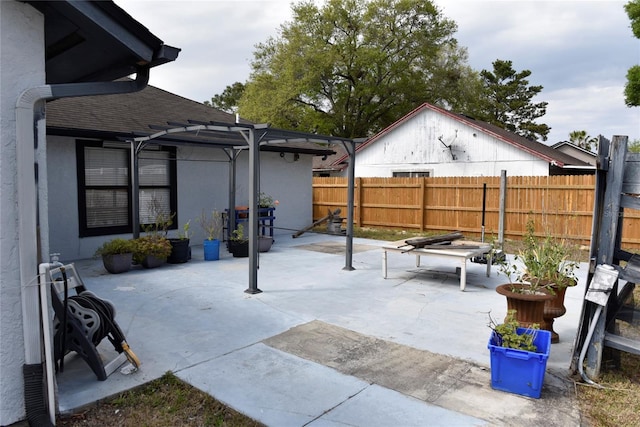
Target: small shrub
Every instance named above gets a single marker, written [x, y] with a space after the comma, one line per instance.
[154, 245]
[115, 247]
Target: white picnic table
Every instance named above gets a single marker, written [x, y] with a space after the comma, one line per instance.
[462, 250]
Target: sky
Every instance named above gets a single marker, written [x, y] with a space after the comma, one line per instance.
[578, 50]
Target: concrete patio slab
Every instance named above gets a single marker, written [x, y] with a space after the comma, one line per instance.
[195, 320]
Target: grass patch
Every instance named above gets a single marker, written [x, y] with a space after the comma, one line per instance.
[390, 234]
[165, 402]
[618, 403]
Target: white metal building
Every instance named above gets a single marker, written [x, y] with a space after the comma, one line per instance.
[431, 141]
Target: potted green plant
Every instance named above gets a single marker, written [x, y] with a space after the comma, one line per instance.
[526, 292]
[266, 204]
[239, 243]
[552, 260]
[212, 226]
[180, 250]
[542, 271]
[117, 255]
[151, 251]
[518, 356]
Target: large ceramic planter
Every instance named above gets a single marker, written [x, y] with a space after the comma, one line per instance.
[264, 243]
[117, 263]
[529, 307]
[180, 251]
[553, 309]
[239, 249]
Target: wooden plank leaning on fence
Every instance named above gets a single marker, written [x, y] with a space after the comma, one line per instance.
[329, 217]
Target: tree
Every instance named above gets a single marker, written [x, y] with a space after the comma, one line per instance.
[634, 146]
[632, 87]
[352, 67]
[583, 140]
[228, 100]
[508, 101]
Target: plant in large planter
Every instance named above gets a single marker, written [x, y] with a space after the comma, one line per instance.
[117, 255]
[266, 202]
[180, 250]
[212, 226]
[518, 356]
[151, 251]
[239, 243]
[548, 260]
[526, 294]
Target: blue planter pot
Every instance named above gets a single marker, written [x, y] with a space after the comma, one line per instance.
[211, 250]
[520, 371]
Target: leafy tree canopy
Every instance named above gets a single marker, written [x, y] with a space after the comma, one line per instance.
[352, 67]
[632, 88]
[508, 101]
[228, 100]
[634, 146]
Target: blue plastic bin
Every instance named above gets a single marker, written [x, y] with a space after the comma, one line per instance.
[520, 371]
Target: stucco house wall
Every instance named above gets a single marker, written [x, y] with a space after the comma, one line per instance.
[202, 183]
[416, 146]
[22, 63]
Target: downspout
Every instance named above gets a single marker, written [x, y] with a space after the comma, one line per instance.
[26, 144]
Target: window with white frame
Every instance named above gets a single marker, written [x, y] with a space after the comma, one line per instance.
[104, 187]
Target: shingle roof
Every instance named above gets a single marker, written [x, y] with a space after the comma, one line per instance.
[127, 113]
[534, 148]
[153, 109]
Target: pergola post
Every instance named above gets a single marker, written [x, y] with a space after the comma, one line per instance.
[351, 149]
[254, 182]
[135, 191]
[231, 219]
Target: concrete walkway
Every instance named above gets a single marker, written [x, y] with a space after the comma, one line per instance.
[322, 346]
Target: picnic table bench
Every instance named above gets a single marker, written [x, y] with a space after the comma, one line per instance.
[462, 250]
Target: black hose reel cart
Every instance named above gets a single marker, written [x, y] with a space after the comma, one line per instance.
[88, 319]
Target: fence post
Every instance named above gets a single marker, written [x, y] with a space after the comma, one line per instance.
[501, 213]
[358, 201]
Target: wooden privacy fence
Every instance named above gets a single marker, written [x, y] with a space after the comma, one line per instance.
[559, 205]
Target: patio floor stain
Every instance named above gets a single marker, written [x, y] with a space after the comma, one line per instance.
[436, 379]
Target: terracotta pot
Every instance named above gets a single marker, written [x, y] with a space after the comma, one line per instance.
[529, 307]
[242, 214]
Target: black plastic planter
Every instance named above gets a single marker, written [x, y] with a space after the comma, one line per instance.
[179, 251]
